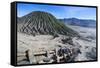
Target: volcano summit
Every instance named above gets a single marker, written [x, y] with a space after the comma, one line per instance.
[39, 22]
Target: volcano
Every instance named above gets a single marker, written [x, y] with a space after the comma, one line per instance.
[39, 22]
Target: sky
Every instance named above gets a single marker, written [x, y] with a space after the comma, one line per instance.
[59, 12]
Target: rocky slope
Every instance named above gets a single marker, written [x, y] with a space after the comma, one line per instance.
[39, 22]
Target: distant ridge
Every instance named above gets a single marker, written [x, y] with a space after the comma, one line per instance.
[39, 22]
[79, 22]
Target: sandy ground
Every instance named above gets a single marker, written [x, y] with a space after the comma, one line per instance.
[41, 43]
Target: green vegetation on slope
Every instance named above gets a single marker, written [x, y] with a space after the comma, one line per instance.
[39, 22]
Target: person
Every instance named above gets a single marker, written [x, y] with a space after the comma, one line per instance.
[27, 55]
[54, 57]
[60, 51]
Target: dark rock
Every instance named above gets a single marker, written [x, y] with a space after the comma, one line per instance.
[67, 40]
[46, 59]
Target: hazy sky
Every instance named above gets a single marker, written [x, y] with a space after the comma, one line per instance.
[58, 11]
